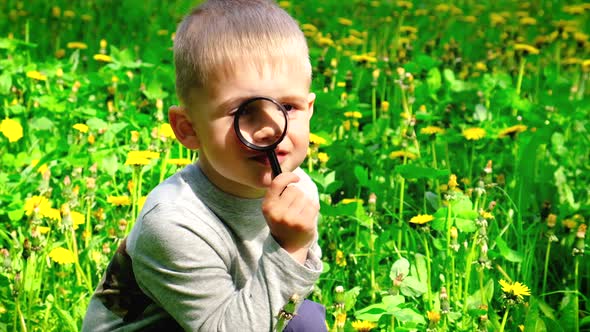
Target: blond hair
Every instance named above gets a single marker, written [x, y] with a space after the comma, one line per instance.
[220, 35]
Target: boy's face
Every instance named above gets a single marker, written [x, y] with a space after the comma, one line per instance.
[229, 164]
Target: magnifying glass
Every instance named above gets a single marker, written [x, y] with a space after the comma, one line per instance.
[261, 124]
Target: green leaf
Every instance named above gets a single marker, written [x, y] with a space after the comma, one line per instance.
[350, 297]
[96, 124]
[389, 305]
[434, 80]
[465, 225]
[508, 254]
[110, 164]
[16, 215]
[361, 175]
[42, 123]
[411, 286]
[5, 83]
[400, 267]
[409, 315]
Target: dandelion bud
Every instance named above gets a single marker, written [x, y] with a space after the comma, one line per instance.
[401, 71]
[26, 248]
[445, 306]
[551, 220]
[103, 44]
[376, 73]
[488, 168]
[385, 106]
[122, 225]
[492, 205]
[454, 233]
[581, 233]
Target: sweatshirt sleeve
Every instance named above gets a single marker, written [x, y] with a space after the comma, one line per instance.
[187, 269]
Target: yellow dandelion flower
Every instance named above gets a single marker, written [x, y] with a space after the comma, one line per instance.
[385, 106]
[363, 326]
[486, 215]
[43, 229]
[77, 219]
[511, 131]
[574, 9]
[514, 290]
[402, 154]
[431, 130]
[42, 169]
[344, 21]
[81, 127]
[77, 45]
[528, 21]
[179, 161]
[103, 58]
[323, 157]
[36, 204]
[324, 41]
[140, 157]
[421, 219]
[433, 316]
[351, 200]
[526, 49]
[51, 213]
[571, 61]
[497, 19]
[364, 58]
[474, 134]
[353, 114]
[309, 27]
[408, 29]
[165, 130]
[36, 75]
[11, 129]
[162, 32]
[586, 63]
[119, 200]
[69, 13]
[441, 8]
[452, 182]
[284, 4]
[470, 19]
[481, 66]
[315, 139]
[405, 4]
[62, 256]
[340, 258]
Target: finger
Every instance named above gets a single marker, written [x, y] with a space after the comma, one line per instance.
[278, 184]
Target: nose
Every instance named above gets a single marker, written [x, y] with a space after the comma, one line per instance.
[267, 134]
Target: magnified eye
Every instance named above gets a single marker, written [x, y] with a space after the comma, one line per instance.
[288, 107]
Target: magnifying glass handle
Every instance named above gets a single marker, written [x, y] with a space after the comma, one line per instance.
[274, 163]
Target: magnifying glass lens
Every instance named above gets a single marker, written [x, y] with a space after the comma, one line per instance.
[261, 123]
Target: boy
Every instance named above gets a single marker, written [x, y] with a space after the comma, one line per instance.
[221, 245]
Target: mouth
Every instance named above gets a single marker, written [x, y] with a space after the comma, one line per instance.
[263, 159]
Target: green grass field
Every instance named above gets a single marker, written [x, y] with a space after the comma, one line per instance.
[450, 146]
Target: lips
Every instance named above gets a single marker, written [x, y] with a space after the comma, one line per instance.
[263, 159]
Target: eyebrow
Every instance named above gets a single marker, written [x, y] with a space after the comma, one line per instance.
[234, 102]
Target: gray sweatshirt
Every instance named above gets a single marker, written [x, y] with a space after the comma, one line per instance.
[202, 260]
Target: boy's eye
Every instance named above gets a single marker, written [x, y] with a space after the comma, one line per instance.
[288, 107]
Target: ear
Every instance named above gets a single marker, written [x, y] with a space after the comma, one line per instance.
[183, 127]
[310, 103]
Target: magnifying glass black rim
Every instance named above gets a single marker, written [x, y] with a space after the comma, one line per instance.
[252, 146]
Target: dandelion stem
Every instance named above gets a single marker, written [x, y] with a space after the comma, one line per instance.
[576, 298]
[504, 319]
[428, 270]
[546, 267]
[468, 263]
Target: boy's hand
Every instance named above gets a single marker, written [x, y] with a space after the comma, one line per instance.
[290, 215]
